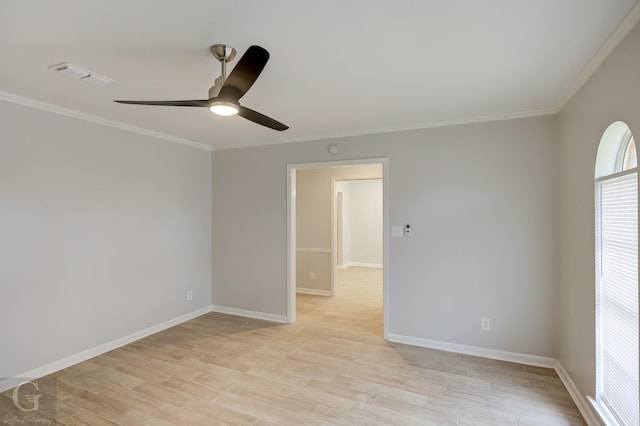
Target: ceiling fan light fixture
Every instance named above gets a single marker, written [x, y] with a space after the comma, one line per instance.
[223, 108]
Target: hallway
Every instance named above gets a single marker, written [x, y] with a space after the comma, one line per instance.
[357, 305]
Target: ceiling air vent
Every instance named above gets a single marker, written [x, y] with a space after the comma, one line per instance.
[81, 73]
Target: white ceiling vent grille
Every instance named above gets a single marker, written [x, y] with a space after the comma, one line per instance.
[81, 73]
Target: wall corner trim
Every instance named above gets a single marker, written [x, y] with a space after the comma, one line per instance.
[32, 103]
[250, 314]
[6, 384]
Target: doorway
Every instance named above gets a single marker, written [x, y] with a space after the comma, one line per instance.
[308, 248]
[358, 222]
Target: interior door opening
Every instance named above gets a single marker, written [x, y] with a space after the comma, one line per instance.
[329, 206]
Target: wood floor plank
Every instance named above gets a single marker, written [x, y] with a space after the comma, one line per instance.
[264, 411]
[74, 415]
[137, 418]
[342, 391]
[100, 405]
[321, 399]
[424, 412]
[334, 416]
[189, 415]
[133, 400]
[161, 393]
[189, 388]
[143, 373]
[217, 413]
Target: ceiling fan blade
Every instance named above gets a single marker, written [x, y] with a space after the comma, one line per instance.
[191, 103]
[262, 119]
[244, 74]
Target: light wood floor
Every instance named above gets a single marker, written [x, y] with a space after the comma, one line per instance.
[330, 367]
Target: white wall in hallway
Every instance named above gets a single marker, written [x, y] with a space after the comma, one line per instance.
[362, 221]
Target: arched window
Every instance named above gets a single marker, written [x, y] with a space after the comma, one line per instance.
[617, 332]
[629, 156]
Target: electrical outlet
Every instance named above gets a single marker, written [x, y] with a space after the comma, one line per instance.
[485, 324]
[312, 275]
[189, 296]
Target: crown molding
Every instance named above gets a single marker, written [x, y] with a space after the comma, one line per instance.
[32, 103]
[415, 127]
[628, 23]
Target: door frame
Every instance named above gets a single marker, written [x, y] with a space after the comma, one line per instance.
[291, 231]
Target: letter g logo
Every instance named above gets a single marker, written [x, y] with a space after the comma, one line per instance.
[33, 399]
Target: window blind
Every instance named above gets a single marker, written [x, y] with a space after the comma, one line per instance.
[618, 296]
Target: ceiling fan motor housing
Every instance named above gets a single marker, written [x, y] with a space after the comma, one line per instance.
[215, 89]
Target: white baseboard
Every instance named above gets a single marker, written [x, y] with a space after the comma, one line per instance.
[361, 264]
[313, 250]
[313, 291]
[515, 357]
[585, 408]
[249, 314]
[583, 404]
[60, 364]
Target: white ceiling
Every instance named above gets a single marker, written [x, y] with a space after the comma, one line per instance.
[337, 67]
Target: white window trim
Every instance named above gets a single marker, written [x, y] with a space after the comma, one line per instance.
[624, 145]
[600, 407]
[617, 175]
[603, 412]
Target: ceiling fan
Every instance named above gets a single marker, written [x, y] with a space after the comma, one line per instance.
[226, 92]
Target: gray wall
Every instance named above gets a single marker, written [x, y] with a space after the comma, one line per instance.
[102, 232]
[612, 94]
[481, 199]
